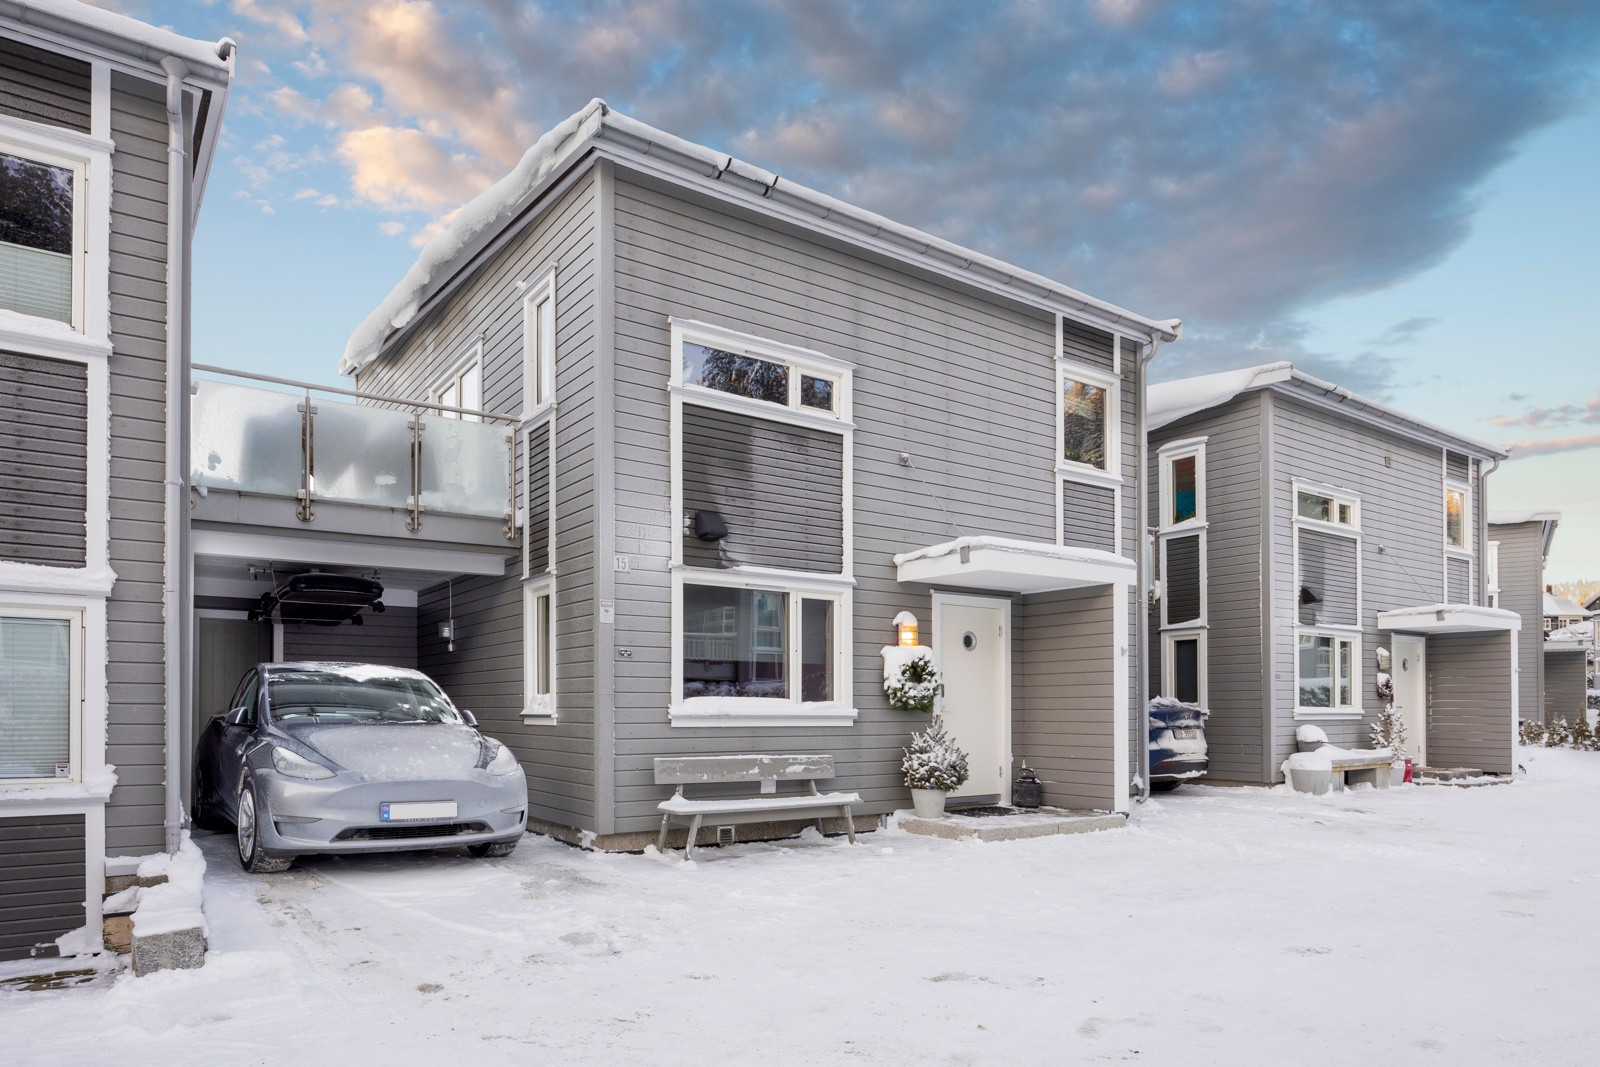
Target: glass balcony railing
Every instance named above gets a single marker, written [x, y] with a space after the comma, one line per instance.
[421, 458]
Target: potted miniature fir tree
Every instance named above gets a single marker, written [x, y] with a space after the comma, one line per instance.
[934, 766]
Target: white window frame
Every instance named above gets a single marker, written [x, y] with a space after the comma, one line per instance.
[770, 711]
[1170, 454]
[89, 158]
[539, 346]
[1338, 496]
[74, 617]
[539, 648]
[1491, 571]
[798, 360]
[1169, 638]
[452, 380]
[1112, 474]
[1338, 635]
[1463, 550]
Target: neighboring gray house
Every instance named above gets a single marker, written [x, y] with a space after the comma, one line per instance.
[674, 341]
[1300, 529]
[1569, 645]
[107, 129]
[1519, 545]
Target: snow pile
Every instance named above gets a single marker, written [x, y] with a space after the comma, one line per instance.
[1516, 518]
[97, 784]
[1171, 401]
[479, 220]
[1320, 760]
[1310, 735]
[176, 903]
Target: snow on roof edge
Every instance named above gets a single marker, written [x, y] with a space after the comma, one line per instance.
[1514, 518]
[493, 208]
[128, 29]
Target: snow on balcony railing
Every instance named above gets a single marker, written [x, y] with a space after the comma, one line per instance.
[384, 452]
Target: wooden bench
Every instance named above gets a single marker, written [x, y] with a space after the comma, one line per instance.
[767, 806]
[1354, 766]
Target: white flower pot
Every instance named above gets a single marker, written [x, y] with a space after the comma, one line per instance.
[929, 803]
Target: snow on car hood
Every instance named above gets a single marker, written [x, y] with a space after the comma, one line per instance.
[394, 751]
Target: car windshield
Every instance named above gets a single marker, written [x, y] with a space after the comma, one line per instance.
[332, 696]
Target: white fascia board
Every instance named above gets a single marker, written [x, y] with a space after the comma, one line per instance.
[1449, 619]
[227, 544]
[1002, 565]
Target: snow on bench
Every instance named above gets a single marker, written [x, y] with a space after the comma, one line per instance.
[1350, 766]
[767, 771]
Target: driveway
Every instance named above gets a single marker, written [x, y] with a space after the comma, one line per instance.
[1223, 926]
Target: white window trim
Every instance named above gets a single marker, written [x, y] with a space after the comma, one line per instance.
[1168, 661]
[540, 370]
[453, 376]
[1334, 493]
[1463, 550]
[89, 157]
[535, 711]
[1166, 586]
[798, 360]
[1112, 474]
[1491, 570]
[1336, 634]
[743, 712]
[86, 707]
[1170, 454]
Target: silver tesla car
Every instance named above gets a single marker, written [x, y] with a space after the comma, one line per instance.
[352, 757]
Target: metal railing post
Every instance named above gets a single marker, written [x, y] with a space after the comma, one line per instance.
[414, 523]
[511, 485]
[308, 458]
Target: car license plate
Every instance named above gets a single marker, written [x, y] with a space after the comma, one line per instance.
[1186, 733]
[418, 809]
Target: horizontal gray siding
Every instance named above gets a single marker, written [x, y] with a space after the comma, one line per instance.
[1565, 684]
[1522, 591]
[1458, 580]
[1328, 571]
[1063, 718]
[43, 881]
[388, 638]
[485, 673]
[1234, 540]
[984, 442]
[538, 500]
[1457, 467]
[1088, 516]
[1181, 580]
[43, 86]
[135, 732]
[778, 488]
[1469, 703]
[43, 460]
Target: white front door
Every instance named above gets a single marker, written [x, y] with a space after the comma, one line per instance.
[1408, 660]
[974, 652]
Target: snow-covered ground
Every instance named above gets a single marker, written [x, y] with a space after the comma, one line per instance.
[1224, 926]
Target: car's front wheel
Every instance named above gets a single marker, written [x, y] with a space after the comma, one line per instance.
[493, 849]
[201, 814]
[252, 857]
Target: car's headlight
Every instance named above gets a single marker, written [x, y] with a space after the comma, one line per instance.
[297, 766]
[504, 761]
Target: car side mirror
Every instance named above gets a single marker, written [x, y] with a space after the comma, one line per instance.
[237, 717]
[467, 717]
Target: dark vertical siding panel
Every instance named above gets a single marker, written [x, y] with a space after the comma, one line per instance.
[43, 86]
[138, 433]
[538, 500]
[43, 460]
[1181, 580]
[779, 489]
[43, 878]
[1327, 571]
[1458, 580]
[1088, 516]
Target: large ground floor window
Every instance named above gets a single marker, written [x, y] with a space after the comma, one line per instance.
[39, 656]
[1327, 673]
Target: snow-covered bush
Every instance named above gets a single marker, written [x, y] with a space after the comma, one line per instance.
[934, 761]
[910, 680]
[1559, 733]
[1389, 731]
[1531, 733]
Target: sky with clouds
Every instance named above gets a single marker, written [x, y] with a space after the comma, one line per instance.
[1395, 196]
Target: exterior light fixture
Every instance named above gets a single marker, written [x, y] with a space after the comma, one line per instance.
[905, 625]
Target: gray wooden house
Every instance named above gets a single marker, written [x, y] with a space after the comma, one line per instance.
[1306, 540]
[1519, 545]
[107, 129]
[747, 426]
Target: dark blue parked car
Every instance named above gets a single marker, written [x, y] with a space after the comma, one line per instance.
[1177, 743]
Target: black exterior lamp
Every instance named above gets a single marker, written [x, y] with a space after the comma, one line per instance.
[708, 526]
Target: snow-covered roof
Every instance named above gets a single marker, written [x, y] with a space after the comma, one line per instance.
[631, 141]
[1515, 518]
[1009, 565]
[1168, 402]
[1557, 606]
[139, 40]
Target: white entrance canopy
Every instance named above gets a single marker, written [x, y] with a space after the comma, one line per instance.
[1449, 619]
[1004, 565]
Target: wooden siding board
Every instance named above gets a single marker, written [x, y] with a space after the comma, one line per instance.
[1522, 591]
[43, 86]
[43, 460]
[1565, 683]
[43, 880]
[1469, 702]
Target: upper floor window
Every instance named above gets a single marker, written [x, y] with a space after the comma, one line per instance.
[1455, 518]
[724, 362]
[1322, 506]
[1089, 427]
[462, 388]
[1182, 485]
[539, 344]
[41, 235]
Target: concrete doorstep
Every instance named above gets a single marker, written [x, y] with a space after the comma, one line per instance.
[1023, 824]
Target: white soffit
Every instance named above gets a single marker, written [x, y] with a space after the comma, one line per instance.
[1449, 619]
[1003, 565]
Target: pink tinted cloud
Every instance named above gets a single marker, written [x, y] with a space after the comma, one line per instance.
[1552, 445]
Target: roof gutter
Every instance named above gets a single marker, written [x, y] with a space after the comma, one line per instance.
[119, 38]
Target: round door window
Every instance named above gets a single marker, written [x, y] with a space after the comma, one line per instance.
[969, 641]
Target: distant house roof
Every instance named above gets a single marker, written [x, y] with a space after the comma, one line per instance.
[639, 146]
[1516, 518]
[1560, 607]
[1171, 401]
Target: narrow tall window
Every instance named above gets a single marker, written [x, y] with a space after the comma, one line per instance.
[38, 235]
[539, 652]
[462, 388]
[1083, 423]
[1455, 517]
[539, 345]
[1186, 670]
[1183, 489]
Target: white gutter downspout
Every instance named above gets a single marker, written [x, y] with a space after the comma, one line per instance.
[1483, 532]
[1142, 562]
[174, 558]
